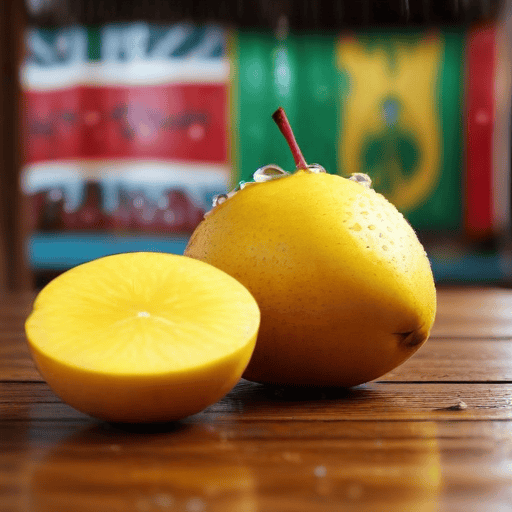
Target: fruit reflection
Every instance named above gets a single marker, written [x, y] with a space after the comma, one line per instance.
[356, 466]
[109, 472]
[237, 467]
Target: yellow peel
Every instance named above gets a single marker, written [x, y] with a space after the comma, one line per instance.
[345, 288]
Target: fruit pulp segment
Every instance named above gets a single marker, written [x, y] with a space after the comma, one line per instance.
[142, 313]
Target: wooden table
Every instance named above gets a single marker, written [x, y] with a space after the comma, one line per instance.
[435, 434]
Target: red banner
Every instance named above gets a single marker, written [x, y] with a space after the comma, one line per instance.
[481, 49]
[170, 122]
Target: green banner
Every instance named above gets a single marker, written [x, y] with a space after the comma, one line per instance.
[385, 103]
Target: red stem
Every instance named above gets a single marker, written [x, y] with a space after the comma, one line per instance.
[279, 116]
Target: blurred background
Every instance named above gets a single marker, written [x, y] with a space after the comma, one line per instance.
[122, 120]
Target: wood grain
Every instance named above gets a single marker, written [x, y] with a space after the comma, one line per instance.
[249, 402]
[439, 360]
[457, 360]
[264, 466]
[473, 313]
[433, 435]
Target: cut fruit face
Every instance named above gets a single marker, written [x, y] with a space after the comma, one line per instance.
[133, 337]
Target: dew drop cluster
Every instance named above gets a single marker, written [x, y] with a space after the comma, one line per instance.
[263, 174]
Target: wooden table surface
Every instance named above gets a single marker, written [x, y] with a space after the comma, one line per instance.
[434, 434]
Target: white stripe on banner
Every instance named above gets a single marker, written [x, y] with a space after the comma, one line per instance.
[134, 73]
[148, 176]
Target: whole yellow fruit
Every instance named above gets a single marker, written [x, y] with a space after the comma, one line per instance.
[344, 287]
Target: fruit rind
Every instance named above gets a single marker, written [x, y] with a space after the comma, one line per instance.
[337, 271]
[143, 398]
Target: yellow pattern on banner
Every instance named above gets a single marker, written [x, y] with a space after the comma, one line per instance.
[407, 86]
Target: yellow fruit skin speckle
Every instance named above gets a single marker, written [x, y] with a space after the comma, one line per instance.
[345, 288]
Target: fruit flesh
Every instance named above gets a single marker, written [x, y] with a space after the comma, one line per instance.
[344, 287]
[142, 336]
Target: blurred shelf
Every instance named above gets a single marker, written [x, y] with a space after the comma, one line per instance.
[57, 251]
[61, 251]
[472, 268]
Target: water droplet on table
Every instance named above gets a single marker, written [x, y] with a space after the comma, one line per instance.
[320, 471]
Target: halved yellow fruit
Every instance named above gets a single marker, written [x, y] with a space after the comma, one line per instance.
[142, 337]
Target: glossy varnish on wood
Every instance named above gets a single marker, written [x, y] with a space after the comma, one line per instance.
[434, 434]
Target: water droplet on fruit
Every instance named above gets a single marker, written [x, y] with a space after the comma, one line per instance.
[143, 314]
[316, 168]
[362, 179]
[356, 227]
[219, 199]
[268, 172]
[241, 185]
[372, 227]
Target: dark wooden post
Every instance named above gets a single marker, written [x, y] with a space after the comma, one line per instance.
[14, 274]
